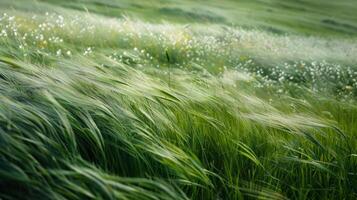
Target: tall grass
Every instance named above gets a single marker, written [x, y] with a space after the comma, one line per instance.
[90, 124]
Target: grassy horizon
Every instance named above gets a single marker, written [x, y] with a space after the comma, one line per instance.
[178, 100]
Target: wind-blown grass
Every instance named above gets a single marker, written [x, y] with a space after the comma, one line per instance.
[116, 109]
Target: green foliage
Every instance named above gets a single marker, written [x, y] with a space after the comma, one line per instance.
[95, 107]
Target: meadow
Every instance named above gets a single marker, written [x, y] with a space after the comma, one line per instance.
[169, 99]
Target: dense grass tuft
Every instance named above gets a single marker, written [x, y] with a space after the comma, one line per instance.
[93, 107]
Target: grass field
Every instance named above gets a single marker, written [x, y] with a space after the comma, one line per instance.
[169, 99]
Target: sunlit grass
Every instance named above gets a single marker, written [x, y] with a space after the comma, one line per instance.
[102, 108]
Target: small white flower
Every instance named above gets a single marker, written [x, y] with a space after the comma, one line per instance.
[59, 52]
[87, 51]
